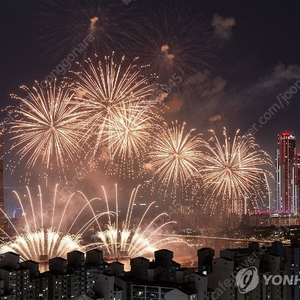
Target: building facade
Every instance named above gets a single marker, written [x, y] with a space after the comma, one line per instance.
[83, 277]
[287, 174]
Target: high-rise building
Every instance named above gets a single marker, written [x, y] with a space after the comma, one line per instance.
[298, 180]
[2, 218]
[287, 179]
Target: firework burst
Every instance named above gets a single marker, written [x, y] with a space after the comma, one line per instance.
[175, 155]
[42, 244]
[65, 25]
[166, 39]
[128, 138]
[46, 127]
[127, 240]
[46, 233]
[106, 90]
[233, 170]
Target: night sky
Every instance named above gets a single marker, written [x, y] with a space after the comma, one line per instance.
[254, 56]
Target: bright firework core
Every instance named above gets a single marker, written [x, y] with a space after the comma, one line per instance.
[47, 232]
[126, 241]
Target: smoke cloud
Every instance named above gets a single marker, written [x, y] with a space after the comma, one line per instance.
[174, 105]
[215, 118]
[223, 26]
[93, 20]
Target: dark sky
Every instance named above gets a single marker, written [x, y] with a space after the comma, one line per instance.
[253, 60]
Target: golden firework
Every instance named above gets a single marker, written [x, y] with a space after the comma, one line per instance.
[46, 127]
[232, 170]
[175, 155]
[126, 240]
[103, 89]
[46, 232]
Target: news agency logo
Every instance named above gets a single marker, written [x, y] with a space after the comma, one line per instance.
[247, 279]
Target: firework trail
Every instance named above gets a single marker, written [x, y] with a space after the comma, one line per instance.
[65, 25]
[232, 171]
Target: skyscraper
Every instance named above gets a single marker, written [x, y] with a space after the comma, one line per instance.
[287, 174]
[1, 182]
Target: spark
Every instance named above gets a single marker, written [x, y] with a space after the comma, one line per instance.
[166, 40]
[66, 25]
[42, 244]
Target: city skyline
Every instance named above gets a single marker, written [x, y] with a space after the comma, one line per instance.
[88, 276]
